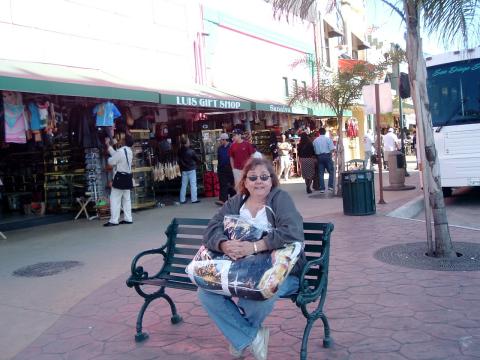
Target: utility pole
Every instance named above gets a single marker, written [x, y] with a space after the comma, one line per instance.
[379, 156]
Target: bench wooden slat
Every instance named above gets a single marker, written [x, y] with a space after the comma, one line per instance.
[177, 260]
[311, 257]
[175, 269]
[184, 279]
[183, 230]
[308, 225]
[190, 221]
[313, 236]
[185, 251]
[313, 248]
[188, 241]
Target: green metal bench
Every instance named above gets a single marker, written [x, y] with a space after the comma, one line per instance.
[184, 237]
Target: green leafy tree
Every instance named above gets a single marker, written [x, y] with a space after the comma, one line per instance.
[340, 91]
[452, 21]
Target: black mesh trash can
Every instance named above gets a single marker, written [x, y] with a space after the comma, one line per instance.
[358, 192]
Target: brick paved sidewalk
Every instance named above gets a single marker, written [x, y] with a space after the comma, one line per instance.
[376, 311]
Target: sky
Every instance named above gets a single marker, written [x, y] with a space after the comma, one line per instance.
[390, 27]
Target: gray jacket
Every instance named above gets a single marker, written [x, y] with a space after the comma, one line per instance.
[281, 213]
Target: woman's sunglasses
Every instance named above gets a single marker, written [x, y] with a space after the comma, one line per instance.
[263, 177]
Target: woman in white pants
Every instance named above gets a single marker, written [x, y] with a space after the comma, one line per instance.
[121, 160]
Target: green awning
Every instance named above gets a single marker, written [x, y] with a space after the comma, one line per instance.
[207, 98]
[282, 108]
[326, 111]
[71, 81]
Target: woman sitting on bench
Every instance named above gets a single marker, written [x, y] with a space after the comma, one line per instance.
[259, 199]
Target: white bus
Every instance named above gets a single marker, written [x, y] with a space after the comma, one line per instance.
[453, 85]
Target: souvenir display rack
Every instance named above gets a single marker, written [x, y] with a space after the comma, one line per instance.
[196, 143]
[143, 192]
[23, 178]
[261, 139]
[209, 148]
[61, 189]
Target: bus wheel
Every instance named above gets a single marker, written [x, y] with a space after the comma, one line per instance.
[447, 191]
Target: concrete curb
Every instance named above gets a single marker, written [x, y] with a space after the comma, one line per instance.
[409, 210]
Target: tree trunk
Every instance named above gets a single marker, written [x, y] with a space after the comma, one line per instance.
[339, 157]
[417, 74]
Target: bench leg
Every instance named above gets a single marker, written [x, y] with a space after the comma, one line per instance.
[306, 334]
[175, 319]
[327, 340]
[140, 335]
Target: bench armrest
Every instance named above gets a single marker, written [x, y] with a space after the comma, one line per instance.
[307, 293]
[137, 272]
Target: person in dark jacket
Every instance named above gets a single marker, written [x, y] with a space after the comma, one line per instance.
[308, 160]
[262, 201]
[224, 170]
[188, 160]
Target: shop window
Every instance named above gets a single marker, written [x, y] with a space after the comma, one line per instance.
[285, 79]
[304, 86]
[327, 51]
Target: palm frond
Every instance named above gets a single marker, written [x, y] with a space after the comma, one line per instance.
[305, 9]
[452, 20]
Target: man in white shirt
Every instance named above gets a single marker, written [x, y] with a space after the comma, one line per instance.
[284, 149]
[369, 149]
[390, 143]
[121, 160]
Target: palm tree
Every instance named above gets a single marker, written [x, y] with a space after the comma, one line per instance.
[450, 19]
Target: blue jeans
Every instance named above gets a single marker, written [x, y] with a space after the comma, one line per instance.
[240, 322]
[189, 177]
[325, 162]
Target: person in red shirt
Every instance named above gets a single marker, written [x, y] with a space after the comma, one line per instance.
[240, 151]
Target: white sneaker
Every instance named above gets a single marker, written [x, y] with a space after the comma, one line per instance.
[259, 345]
[235, 353]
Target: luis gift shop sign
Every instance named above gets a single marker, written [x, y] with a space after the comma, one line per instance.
[194, 101]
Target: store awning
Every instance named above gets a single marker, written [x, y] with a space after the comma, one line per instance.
[323, 110]
[206, 98]
[358, 43]
[279, 107]
[56, 79]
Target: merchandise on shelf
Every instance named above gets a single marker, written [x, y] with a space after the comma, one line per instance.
[209, 148]
[143, 193]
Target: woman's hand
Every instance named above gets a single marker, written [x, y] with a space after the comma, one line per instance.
[237, 249]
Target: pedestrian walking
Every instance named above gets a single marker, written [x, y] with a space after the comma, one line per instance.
[369, 149]
[257, 154]
[284, 149]
[188, 160]
[273, 146]
[324, 147]
[390, 144]
[121, 161]
[308, 161]
[240, 151]
[224, 170]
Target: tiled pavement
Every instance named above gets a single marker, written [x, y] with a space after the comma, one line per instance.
[376, 311]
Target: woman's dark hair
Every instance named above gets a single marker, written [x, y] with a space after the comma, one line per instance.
[273, 137]
[252, 164]
[304, 139]
[129, 140]
[322, 131]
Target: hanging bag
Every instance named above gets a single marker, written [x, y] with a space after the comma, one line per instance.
[255, 277]
[123, 180]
